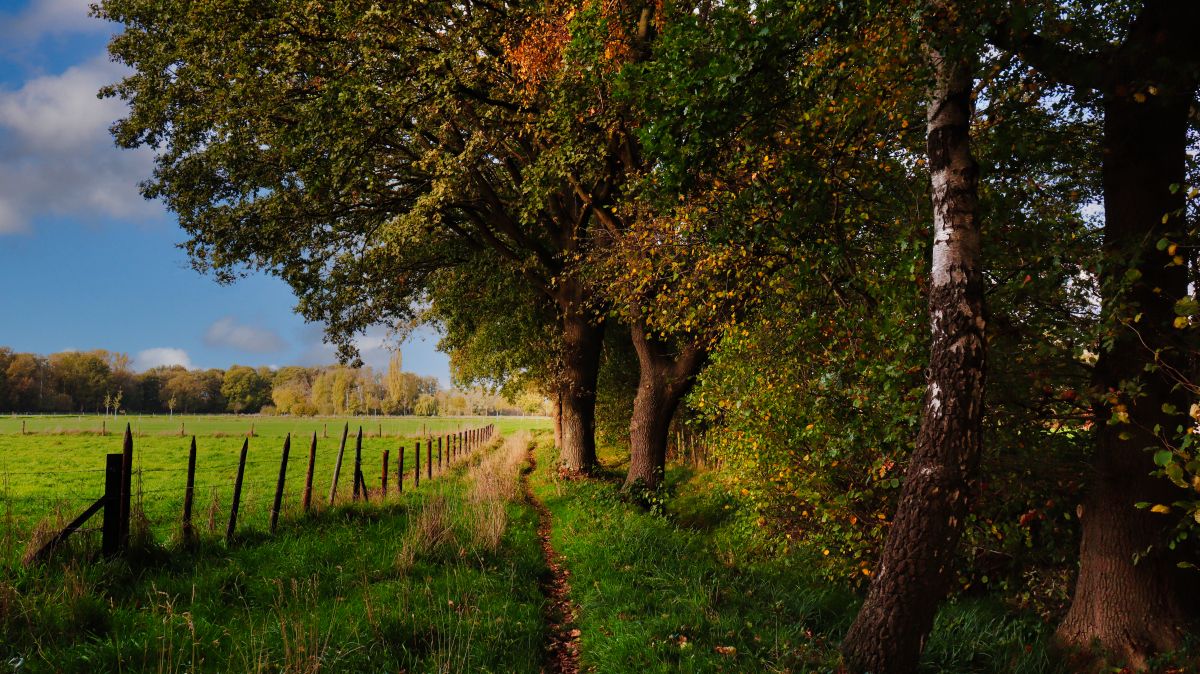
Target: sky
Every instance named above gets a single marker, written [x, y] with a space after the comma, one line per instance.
[86, 262]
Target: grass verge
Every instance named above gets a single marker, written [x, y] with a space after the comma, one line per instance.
[690, 591]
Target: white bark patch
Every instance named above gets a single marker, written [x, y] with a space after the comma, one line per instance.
[935, 400]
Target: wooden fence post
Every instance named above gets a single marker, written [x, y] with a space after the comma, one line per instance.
[110, 536]
[337, 467]
[383, 474]
[189, 495]
[439, 453]
[287, 447]
[400, 469]
[358, 480]
[126, 486]
[429, 459]
[237, 493]
[306, 502]
[417, 466]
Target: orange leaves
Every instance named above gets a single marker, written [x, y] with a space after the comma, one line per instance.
[538, 55]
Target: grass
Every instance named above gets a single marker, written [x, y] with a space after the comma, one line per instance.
[48, 474]
[447, 579]
[329, 592]
[692, 591]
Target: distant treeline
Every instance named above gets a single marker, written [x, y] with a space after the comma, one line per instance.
[103, 381]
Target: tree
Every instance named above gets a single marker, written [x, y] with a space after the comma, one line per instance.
[246, 389]
[914, 573]
[427, 406]
[1142, 66]
[356, 175]
[84, 377]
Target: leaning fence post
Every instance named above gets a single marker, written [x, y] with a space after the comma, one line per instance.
[237, 493]
[126, 486]
[287, 448]
[337, 467]
[383, 475]
[110, 537]
[358, 465]
[189, 493]
[306, 502]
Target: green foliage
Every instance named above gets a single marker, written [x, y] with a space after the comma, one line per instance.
[246, 389]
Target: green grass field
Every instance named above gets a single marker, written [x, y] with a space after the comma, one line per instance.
[56, 469]
[410, 584]
[403, 585]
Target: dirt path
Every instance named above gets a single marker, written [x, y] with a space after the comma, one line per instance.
[562, 642]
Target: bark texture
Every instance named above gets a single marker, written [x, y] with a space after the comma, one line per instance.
[1132, 611]
[582, 342]
[912, 577]
[665, 377]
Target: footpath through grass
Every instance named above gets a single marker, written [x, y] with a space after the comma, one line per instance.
[443, 579]
[689, 591]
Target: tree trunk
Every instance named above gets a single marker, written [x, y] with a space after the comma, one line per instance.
[1131, 610]
[582, 342]
[913, 576]
[664, 379]
[558, 420]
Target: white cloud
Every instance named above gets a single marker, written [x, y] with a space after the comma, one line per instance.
[57, 157]
[159, 357]
[227, 332]
[42, 18]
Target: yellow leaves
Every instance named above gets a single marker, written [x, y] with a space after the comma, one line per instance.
[1181, 322]
[1160, 509]
[1139, 97]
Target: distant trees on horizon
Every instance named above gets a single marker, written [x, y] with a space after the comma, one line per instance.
[101, 381]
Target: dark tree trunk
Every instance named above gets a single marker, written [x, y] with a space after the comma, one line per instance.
[583, 339]
[558, 420]
[665, 377]
[913, 575]
[1132, 611]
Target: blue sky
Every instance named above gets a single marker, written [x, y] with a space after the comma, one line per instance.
[85, 262]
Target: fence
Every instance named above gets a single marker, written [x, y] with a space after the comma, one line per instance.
[125, 511]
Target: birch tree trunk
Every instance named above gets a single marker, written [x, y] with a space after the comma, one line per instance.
[912, 578]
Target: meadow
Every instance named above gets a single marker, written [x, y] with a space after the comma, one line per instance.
[449, 578]
[56, 467]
